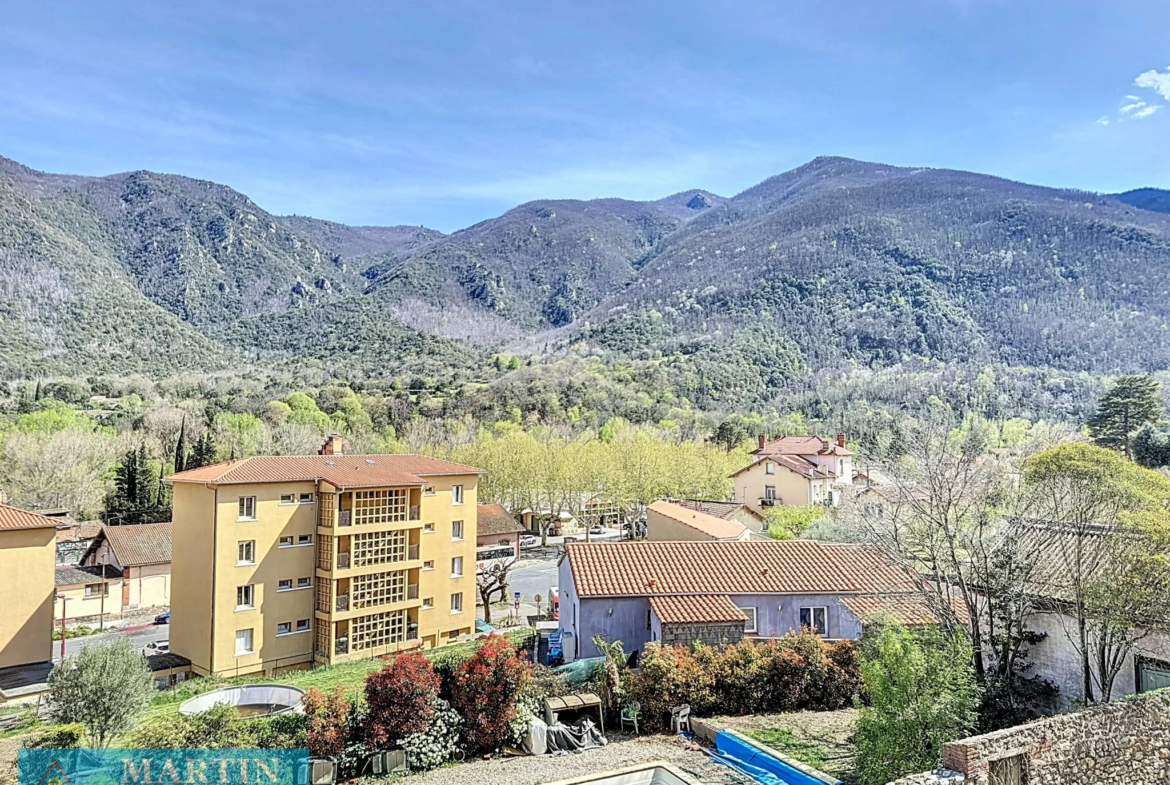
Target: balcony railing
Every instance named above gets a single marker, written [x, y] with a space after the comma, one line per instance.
[414, 514]
[412, 635]
[341, 647]
[343, 561]
[345, 518]
[412, 552]
[412, 591]
[342, 602]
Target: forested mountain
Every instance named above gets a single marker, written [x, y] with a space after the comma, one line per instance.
[1154, 199]
[835, 261]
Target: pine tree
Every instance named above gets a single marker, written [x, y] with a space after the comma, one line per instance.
[39, 393]
[1133, 401]
[181, 448]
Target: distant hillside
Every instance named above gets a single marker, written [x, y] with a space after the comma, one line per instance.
[1154, 199]
[835, 261]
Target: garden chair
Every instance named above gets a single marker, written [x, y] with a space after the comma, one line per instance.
[630, 717]
[680, 719]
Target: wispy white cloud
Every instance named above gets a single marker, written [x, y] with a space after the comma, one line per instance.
[1103, 120]
[1156, 81]
[1144, 112]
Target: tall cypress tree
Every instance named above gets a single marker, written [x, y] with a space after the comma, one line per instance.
[181, 448]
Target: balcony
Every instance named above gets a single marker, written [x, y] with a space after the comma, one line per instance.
[414, 513]
[412, 591]
[411, 552]
[341, 647]
[345, 518]
[342, 603]
[343, 561]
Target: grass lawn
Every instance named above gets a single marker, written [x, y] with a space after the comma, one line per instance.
[821, 739]
[783, 740]
[351, 675]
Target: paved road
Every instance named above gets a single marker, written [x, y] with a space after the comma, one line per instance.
[138, 634]
[535, 573]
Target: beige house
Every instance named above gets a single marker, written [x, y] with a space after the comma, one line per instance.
[27, 556]
[142, 554]
[669, 522]
[84, 593]
[728, 511]
[287, 561]
[795, 471]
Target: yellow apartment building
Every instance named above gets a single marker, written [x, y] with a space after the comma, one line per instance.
[283, 561]
[27, 558]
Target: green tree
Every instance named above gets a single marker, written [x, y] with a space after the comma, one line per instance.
[136, 489]
[203, 453]
[1150, 447]
[922, 693]
[1130, 403]
[181, 447]
[101, 687]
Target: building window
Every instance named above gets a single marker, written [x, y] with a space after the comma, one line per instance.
[377, 629]
[306, 498]
[246, 552]
[770, 492]
[286, 498]
[816, 619]
[428, 490]
[457, 567]
[284, 585]
[428, 602]
[366, 591]
[1152, 674]
[243, 642]
[304, 583]
[649, 620]
[428, 565]
[769, 468]
[302, 625]
[428, 527]
[284, 628]
[374, 507]
[378, 548]
[304, 539]
[95, 589]
[750, 625]
[244, 596]
[1012, 770]
[456, 530]
[286, 542]
[247, 508]
[457, 494]
[457, 603]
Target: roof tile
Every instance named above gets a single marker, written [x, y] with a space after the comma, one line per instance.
[696, 610]
[343, 471]
[494, 520]
[137, 545]
[13, 518]
[716, 528]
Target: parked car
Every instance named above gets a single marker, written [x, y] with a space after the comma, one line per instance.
[163, 618]
[483, 626]
[528, 540]
[598, 529]
[158, 647]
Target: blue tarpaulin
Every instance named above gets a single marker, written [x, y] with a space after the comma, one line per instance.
[764, 768]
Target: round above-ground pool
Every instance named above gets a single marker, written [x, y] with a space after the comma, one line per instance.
[250, 700]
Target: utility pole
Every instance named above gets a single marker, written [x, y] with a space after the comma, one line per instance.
[63, 600]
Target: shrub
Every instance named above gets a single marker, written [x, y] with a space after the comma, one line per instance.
[484, 690]
[922, 693]
[400, 699]
[670, 676]
[57, 737]
[437, 744]
[222, 727]
[101, 687]
[327, 717]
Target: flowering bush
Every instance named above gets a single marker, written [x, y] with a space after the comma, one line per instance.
[327, 726]
[484, 690]
[400, 700]
[437, 744]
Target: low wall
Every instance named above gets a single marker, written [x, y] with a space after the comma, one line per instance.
[1120, 743]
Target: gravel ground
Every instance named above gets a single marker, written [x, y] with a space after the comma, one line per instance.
[626, 751]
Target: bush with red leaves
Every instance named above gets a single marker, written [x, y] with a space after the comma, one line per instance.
[484, 689]
[400, 700]
[326, 717]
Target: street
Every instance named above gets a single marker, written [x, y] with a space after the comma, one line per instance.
[139, 634]
[534, 573]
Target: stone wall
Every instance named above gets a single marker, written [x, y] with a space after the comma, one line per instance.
[1121, 743]
[710, 633]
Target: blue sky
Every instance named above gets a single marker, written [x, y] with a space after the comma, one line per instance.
[447, 113]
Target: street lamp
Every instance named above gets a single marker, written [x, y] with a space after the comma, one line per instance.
[63, 600]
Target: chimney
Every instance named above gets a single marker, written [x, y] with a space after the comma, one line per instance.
[761, 440]
[840, 440]
[334, 445]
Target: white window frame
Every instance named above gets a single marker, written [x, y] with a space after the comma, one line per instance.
[287, 499]
[456, 531]
[241, 547]
[305, 498]
[429, 564]
[304, 540]
[287, 625]
[753, 623]
[812, 616]
[305, 583]
[308, 625]
[456, 566]
[242, 635]
[769, 468]
[99, 592]
[290, 544]
[457, 494]
[428, 528]
[457, 600]
[428, 490]
[247, 504]
[284, 584]
[428, 603]
[770, 492]
[246, 592]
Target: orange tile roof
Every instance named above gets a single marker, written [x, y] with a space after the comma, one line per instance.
[13, 518]
[696, 610]
[716, 528]
[493, 520]
[775, 567]
[343, 471]
[908, 609]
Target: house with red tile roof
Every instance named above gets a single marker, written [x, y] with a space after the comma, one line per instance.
[678, 592]
[795, 471]
[670, 522]
[497, 530]
[27, 558]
